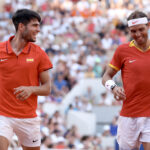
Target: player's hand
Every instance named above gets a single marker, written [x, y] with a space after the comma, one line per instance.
[119, 93]
[23, 92]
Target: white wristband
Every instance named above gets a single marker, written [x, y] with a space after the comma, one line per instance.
[110, 84]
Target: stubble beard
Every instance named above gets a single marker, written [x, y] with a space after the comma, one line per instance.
[27, 37]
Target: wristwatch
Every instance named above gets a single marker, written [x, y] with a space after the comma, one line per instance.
[112, 87]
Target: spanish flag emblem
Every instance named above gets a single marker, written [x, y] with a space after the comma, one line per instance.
[30, 60]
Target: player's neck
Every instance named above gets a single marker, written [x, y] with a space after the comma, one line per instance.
[18, 44]
[143, 46]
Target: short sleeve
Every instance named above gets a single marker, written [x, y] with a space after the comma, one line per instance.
[116, 62]
[45, 63]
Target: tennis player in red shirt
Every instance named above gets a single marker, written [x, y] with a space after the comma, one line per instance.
[133, 59]
[24, 74]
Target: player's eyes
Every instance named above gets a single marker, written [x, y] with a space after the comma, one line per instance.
[141, 29]
[133, 31]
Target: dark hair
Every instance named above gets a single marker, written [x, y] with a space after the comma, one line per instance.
[137, 14]
[24, 16]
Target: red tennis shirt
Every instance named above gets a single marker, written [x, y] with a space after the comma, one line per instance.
[22, 70]
[135, 71]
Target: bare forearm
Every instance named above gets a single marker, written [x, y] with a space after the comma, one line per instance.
[108, 75]
[42, 90]
[24, 92]
[107, 81]
[105, 78]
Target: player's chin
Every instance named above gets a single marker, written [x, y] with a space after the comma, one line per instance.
[32, 40]
[140, 41]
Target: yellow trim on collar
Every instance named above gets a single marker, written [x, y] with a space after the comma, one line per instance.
[131, 44]
[114, 67]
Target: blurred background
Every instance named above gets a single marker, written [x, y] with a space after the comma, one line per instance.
[80, 37]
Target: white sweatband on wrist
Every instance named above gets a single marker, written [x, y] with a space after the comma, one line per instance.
[109, 84]
[137, 21]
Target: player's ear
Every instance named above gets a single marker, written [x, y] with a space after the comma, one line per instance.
[21, 27]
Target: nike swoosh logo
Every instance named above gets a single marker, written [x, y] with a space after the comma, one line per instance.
[34, 141]
[131, 61]
[3, 60]
[134, 22]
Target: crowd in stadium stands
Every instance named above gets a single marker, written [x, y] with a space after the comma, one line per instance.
[79, 38]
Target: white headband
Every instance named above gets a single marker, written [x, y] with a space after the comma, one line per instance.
[137, 21]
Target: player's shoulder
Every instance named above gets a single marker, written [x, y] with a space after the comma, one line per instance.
[124, 45]
[36, 48]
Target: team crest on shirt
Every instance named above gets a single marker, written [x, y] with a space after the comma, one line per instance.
[30, 60]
